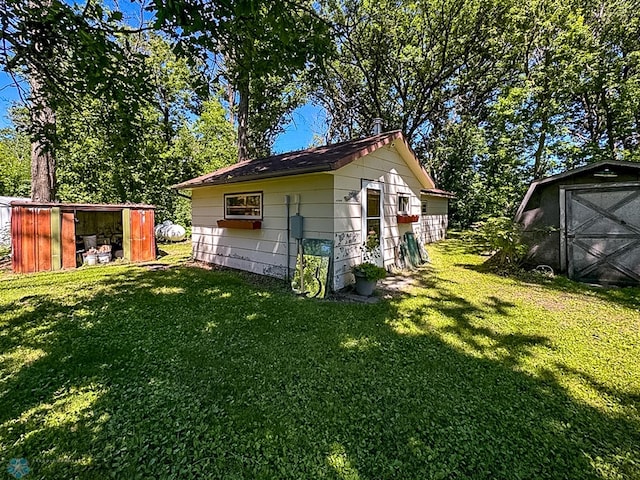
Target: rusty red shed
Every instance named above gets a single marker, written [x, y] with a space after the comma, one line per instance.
[52, 236]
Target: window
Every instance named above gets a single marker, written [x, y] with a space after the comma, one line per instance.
[403, 204]
[423, 207]
[245, 206]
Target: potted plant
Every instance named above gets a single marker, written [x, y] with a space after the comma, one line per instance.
[367, 275]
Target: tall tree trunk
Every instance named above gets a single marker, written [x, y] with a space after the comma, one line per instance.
[166, 125]
[43, 164]
[43, 120]
[539, 167]
[231, 98]
[544, 105]
[243, 117]
[611, 139]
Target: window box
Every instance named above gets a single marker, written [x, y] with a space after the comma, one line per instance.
[241, 224]
[408, 218]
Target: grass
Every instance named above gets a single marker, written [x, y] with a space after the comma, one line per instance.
[130, 372]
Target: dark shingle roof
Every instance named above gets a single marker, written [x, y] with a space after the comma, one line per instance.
[311, 160]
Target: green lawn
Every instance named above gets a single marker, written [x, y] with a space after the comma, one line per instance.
[128, 372]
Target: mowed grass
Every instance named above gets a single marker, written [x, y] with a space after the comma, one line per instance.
[130, 372]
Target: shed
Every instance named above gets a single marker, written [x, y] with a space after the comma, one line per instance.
[244, 215]
[585, 222]
[52, 236]
[5, 218]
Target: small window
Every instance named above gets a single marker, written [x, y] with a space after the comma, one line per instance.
[403, 204]
[423, 207]
[245, 206]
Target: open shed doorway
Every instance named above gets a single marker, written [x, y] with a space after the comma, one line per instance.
[102, 231]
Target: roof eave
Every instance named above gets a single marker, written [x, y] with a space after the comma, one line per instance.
[249, 178]
[443, 193]
[586, 168]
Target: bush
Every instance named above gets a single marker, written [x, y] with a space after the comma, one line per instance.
[503, 237]
[5, 241]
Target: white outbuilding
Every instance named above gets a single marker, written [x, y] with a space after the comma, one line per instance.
[250, 215]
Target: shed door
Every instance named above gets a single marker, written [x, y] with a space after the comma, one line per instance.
[603, 234]
[142, 236]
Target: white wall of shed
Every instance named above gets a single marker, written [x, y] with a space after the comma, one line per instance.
[433, 225]
[262, 251]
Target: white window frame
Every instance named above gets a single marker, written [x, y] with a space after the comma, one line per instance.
[372, 185]
[406, 210]
[424, 207]
[227, 215]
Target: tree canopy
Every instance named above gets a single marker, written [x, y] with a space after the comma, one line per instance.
[259, 49]
[491, 94]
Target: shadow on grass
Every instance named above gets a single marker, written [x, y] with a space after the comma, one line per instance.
[187, 373]
[465, 243]
[625, 296]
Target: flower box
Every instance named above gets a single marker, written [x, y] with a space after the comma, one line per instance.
[408, 218]
[241, 224]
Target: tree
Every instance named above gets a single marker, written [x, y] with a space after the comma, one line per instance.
[606, 101]
[214, 138]
[111, 153]
[15, 170]
[408, 63]
[63, 50]
[261, 47]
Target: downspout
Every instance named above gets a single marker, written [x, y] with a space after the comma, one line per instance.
[287, 202]
[299, 246]
[180, 194]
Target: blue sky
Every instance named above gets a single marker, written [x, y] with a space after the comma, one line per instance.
[306, 121]
[8, 95]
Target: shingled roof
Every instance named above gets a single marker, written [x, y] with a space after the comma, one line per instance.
[311, 160]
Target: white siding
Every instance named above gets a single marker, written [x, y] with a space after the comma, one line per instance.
[5, 218]
[384, 165]
[433, 225]
[262, 251]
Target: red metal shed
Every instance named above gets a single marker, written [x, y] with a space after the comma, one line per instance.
[51, 236]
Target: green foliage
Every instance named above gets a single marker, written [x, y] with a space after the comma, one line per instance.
[123, 372]
[370, 271]
[64, 51]
[261, 48]
[526, 89]
[108, 153]
[503, 237]
[69, 49]
[396, 61]
[15, 163]
[215, 138]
